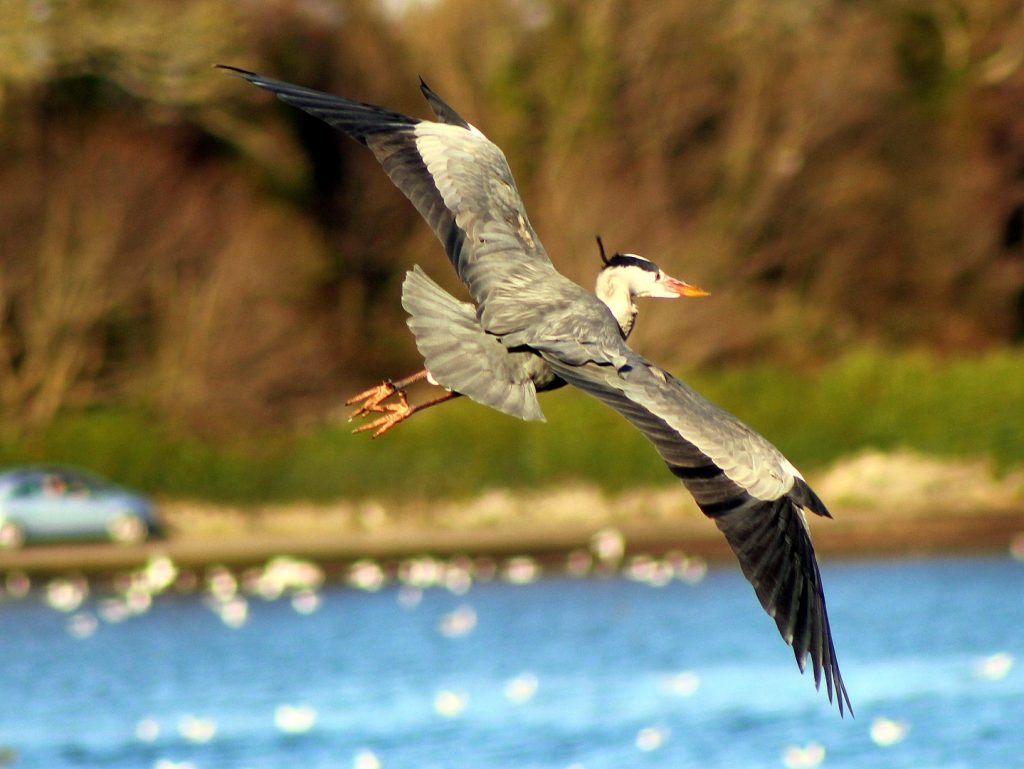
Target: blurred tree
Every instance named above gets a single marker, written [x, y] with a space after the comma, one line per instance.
[833, 172]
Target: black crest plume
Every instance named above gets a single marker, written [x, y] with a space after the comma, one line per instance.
[604, 257]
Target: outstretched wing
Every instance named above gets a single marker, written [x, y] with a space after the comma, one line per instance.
[741, 481]
[457, 179]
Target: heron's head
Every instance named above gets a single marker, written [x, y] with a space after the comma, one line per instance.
[627, 276]
[639, 276]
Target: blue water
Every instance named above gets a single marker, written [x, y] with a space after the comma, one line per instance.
[560, 673]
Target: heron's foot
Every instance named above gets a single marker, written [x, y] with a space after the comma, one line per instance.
[393, 414]
[372, 400]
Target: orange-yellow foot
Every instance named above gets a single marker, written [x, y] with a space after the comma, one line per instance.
[393, 414]
[371, 401]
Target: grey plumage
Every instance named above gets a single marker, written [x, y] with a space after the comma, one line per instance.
[527, 318]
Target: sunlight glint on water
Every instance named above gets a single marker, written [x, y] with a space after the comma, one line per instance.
[455, 668]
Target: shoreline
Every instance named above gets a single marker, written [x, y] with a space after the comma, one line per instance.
[851, 535]
[897, 504]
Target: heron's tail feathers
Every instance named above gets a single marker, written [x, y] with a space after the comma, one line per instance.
[461, 356]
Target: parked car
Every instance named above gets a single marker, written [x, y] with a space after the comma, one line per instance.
[47, 504]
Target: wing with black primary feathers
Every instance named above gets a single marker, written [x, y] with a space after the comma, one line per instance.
[457, 179]
[741, 481]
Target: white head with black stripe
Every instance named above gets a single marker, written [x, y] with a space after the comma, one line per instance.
[624, 277]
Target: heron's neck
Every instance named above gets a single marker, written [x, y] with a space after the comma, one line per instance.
[620, 301]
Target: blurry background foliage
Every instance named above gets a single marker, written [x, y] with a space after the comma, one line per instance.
[179, 247]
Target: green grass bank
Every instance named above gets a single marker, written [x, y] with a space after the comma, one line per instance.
[870, 399]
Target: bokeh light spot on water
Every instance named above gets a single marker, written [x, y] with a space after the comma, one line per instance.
[82, 625]
[117, 609]
[683, 684]
[649, 570]
[233, 612]
[294, 719]
[66, 593]
[692, 569]
[885, 732]
[159, 573]
[221, 584]
[608, 545]
[651, 738]
[521, 570]
[457, 623]
[450, 703]
[458, 576]
[994, 667]
[366, 574]
[166, 763]
[283, 574]
[138, 601]
[197, 730]
[803, 756]
[421, 572]
[365, 759]
[521, 689]
[305, 602]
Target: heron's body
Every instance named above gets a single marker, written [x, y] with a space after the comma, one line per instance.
[530, 328]
[463, 357]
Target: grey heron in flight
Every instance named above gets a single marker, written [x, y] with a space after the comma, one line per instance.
[539, 323]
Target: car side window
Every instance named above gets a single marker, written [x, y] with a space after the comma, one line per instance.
[26, 489]
[54, 486]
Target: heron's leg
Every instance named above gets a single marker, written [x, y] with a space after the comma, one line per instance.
[399, 412]
[371, 400]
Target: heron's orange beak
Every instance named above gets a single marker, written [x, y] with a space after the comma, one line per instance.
[682, 288]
